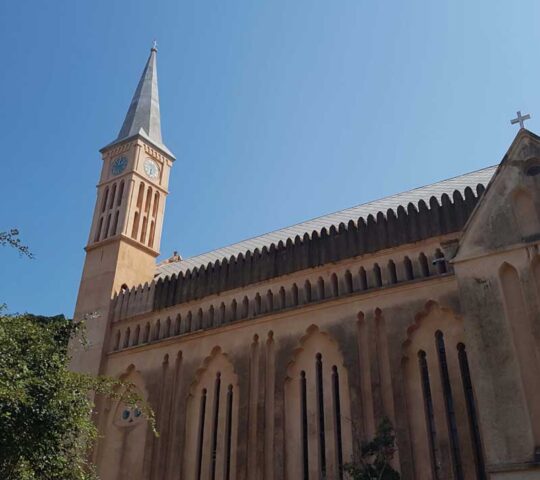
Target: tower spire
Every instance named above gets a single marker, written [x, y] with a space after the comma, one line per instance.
[143, 115]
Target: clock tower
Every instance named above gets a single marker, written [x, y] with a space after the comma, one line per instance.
[128, 217]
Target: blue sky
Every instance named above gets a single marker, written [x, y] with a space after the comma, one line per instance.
[278, 111]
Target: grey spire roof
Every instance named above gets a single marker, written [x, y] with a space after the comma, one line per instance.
[143, 116]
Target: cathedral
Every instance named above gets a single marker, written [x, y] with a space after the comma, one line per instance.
[278, 356]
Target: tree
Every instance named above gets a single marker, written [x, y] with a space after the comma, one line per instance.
[375, 456]
[11, 239]
[46, 429]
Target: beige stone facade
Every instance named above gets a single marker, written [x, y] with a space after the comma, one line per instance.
[277, 362]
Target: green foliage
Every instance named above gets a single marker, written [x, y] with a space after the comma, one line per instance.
[46, 429]
[375, 456]
[11, 239]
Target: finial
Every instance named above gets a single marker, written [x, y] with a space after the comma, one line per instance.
[154, 46]
[520, 119]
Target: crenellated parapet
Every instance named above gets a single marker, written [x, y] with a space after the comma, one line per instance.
[403, 226]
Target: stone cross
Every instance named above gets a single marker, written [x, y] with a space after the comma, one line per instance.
[520, 119]
[154, 45]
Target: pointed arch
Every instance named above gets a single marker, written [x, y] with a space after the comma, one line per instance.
[317, 376]
[212, 419]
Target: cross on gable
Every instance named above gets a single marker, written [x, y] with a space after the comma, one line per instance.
[520, 119]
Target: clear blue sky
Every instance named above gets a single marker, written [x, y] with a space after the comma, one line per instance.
[278, 111]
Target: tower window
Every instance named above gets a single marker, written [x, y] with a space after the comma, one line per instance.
[140, 195]
[152, 232]
[113, 194]
[104, 204]
[143, 229]
[135, 228]
[98, 231]
[115, 223]
[156, 204]
[148, 200]
[107, 226]
[120, 194]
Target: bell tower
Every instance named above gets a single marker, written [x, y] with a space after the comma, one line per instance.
[128, 216]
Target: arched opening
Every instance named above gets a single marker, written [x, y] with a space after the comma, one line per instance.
[156, 205]
[525, 212]
[212, 421]
[105, 197]
[148, 200]
[113, 195]
[140, 195]
[135, 227]
[120, 194]
[143, 229]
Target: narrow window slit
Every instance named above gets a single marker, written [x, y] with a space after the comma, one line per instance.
[471, 412]
[303, 400]
[449, 406]
[215, 424]
[320, 412]
[337, 420]
[428, 408]
[202, 414]
[228, 433]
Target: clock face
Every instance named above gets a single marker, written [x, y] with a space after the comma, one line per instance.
[119, 164]
[151, 168]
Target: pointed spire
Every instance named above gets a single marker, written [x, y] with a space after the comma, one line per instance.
[143, 112]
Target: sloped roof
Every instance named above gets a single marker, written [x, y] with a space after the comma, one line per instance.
[414, 196]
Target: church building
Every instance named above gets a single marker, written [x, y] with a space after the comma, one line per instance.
[276, 357]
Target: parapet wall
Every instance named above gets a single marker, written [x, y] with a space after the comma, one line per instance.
[405, 226]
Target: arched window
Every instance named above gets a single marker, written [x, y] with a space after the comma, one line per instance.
[98, 230]
[136, 336]
[156, 205]
[334, 284]
[135, 228]
[269, 301]
[140, 195]
[245, 307]
[377, 276]
[126, 338]
[152, 232]
[348, 280]
[437, 377]
[392, 273]
[424, 266]
[143, 229]
[120, 194]
[282, 298]
[320, 289]
[113, 194]
[407, 265]
[307, 292]
[212, 421]
[148, 199]
[107, 226]
[117, 341]
[258, 302]
[363, 278]
[318, 426]
[105, 197]
[115, 223]
[294, 294]
[146, 335]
